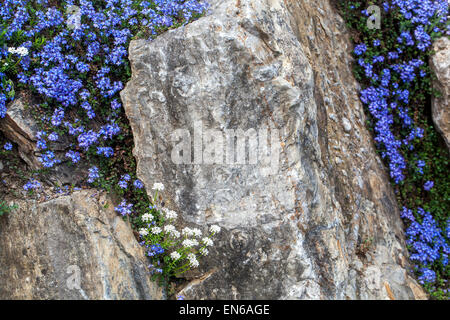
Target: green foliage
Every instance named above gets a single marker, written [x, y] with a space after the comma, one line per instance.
[5, 208]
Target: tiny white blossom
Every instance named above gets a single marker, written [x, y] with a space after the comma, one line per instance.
[158, 186]
[204, 251]
[187, 232]
[22, 51]
[175, 234]
[214, 229]
[156, 230]
[169, 228]
[193, 262]
[143, 231]
[175, 255]
[208, 242]
[147, 217]
[196, 232]
[191, 256]
[189, 243]
[170, 214]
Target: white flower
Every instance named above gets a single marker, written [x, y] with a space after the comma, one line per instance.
[22, 51]
[175, 234]
[189, 243]
[187, 232]
[191, 256]
[193, 262]
[156, 230]
[175, 255]
[208, 242]
[147, 217]
[214, 229]
[143, 232]
[158, 186]
[170, 214]
[196, 232]
[169, 228]
[204, 251]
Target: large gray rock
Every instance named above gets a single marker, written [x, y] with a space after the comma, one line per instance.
[440, 63]
[72, 247]
[311, 217]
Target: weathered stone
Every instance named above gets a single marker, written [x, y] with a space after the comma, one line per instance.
[45, 247]
[308, 228]
[440, 63]
[19, 126]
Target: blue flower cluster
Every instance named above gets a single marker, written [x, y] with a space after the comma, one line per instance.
[154, 250]
[391, 67]
[74, 58]
[124, 208]
[428, 243]
[31, 185]
[385, 98]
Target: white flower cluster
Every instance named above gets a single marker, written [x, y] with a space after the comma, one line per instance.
[193, 262]
[162, 233]
[189, 243]
[188, 232]
[207, 242]
[214, 229]
[170, 214]
[175, 255]
[21, 51]
[156, 230]
[147, 217]
[158, 186]
[143, 232]
[170, 230]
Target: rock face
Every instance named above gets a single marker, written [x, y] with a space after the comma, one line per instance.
[20, 127]
[72, 247]
[440, 63]
[305, 204]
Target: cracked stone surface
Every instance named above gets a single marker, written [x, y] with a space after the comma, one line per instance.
[47, 247]
[323, 222]
[440, 64]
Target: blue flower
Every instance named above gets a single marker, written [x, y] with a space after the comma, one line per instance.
[74, 156]
[106, 151]
[138, 184]
[31, 185]
[124, 208]
[360, 49]
[428, 185]
[93, 174]
[8, 146]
